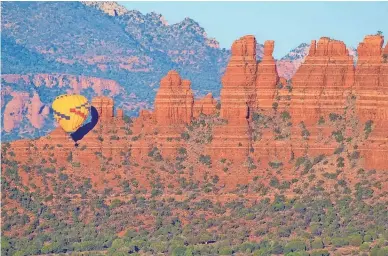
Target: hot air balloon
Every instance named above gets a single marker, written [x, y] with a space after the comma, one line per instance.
[71, 111]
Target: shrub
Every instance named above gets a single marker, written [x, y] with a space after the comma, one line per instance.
[256, 117]
[295, 246]
[70, 157]
[63, 177]
[338, 136]
[275, 165]
[340, 162]
[277, 248]
[383, 252]
[339, 150]
[155, 154]
[225, 251]
[275, 106]
[368, 238]
[182, 151]
[299, 161]
[305, 133]
[274, 182]
[317, 244]
[135, 138]
[127, 119]
[205, 159]
[114, 137]
[368, 128]
[320, 253]
[363, 192]
[285, 115]
[179, 251]
[185, 136]
[339, 242]
[321, 120]
[365, 247]
[334, 117]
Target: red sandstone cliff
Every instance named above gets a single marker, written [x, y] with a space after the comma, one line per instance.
[238, 83]
[371, 88]
[371, 79]
[174, 100]
[322, 83]
[267, 77]
[247, 86]
[320, 87]
[207, 105]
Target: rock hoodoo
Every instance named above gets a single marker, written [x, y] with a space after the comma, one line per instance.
[371, 89]
[104, 106]
[246, 85]
[322, 83]
[174, 100]
[371, 80]
[267, 77]
[206, 105]
[238, 83]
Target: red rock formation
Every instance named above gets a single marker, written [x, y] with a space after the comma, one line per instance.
[104, 106]
[385, 52]
[238, 83]
[119, 114]
[13, 113]
[371, 88]
[15, 109]
[322, 83]
[35, 114]
[320, 87]
[238, 100]
[368, 73]
[267, 78]
[206, 105]
[174, 101]
[246, 86]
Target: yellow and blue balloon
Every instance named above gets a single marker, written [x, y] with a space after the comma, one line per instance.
[70, 111]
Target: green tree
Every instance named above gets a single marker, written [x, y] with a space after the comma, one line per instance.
[179, 251]
[295, 246]
[225, 251]
[355, 240]
[383, 252]
[320, 253]
[317, 244]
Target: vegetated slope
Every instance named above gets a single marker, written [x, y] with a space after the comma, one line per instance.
[91, 199]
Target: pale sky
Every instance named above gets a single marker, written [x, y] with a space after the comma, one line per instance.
[288, 23]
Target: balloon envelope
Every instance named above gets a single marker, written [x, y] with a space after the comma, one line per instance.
[70, 111]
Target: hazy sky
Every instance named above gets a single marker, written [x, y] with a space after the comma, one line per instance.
[288, 23]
